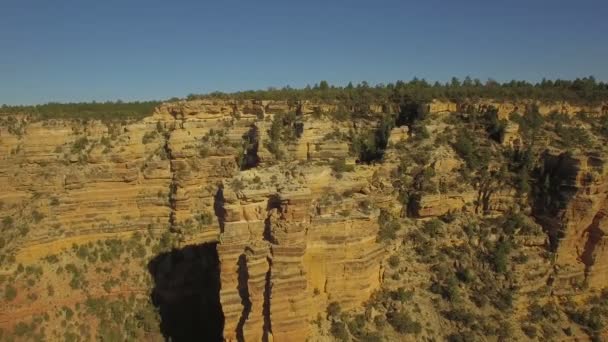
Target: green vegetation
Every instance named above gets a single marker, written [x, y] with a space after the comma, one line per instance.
[499, 256]
[122, 318]
[204, 219]
[433, 228]
[79, 144]
[148, 137]
[10, 292]
[586, 90]
[593, 316]
[282, 131]
[393, 261]
[7, 222]
[94, 110]
[389, 226]
[339, 331]
[334, 309]
[403, 323]
[216, 142]
[339, 166]
[370, 146]
[474, 156]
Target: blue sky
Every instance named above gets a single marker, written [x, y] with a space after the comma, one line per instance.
[84, 50]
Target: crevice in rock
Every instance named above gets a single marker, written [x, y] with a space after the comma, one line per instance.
[267, 230]
[172, 196]
[266, 305]
[187, 293]
[243, 288]
[409, 113]
[251, 141]
[274, 203]
[594, 236]
[218, 207]
[371, 146]
[554, 188]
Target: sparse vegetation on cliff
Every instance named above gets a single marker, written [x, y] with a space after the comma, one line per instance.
[434, 210]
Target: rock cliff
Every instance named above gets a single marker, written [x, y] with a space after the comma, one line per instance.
[251, 218]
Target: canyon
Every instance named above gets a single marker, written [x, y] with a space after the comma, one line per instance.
[245, 220]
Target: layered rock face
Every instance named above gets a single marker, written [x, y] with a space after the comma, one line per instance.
[283, 262]
[280, 230]
[288, 242]
[573, 207]
[286, 249]
[505, 108]
[74, 182]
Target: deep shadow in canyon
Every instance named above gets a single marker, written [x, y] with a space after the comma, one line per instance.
[186, 293]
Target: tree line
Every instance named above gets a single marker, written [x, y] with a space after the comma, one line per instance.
[85, 110]
[586, 90]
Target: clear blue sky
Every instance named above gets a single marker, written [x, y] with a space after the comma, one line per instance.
[84, 50]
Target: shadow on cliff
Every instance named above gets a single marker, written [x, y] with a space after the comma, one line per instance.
[186, 293]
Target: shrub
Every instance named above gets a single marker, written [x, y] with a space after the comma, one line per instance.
[10, 292]
[380, 321]
[205, 218]
[460, 315]
[403, 324]
[464, 147]
[356, 326]
[80, 144]
[529, 123]
[572, 136]
[503, 300]
[463, 336]
[494, 126]
[69, 313]
[500, 256]
[339, 166]
[37, 216]
[393, 261]
[420, 131]
[149, 137]
[388, 226]
[475, 156]
[237, 185]
[22, 329]
[7, 222]
[433, 228]
[402, 295]
[465, 275]
[530, 330]
[334, 309]
[371, 337]
[281, 130]
[450, 290]
[339, 331]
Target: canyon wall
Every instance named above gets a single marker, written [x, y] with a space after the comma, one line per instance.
[572, 205]
[286, 247]
[292, 234]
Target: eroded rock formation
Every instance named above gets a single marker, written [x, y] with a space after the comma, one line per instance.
[279, 230]
[572, 205]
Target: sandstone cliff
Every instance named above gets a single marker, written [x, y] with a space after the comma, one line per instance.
[268, 212]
